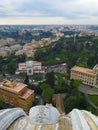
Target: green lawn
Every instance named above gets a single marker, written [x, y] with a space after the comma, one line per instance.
[94, 99]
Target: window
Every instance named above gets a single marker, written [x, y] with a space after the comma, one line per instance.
[30, 71]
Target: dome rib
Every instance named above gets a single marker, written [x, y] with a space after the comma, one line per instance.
[8, 117]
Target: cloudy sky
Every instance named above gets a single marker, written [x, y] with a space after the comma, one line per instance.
[49, 12]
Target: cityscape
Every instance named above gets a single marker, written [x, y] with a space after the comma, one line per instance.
[48, 65]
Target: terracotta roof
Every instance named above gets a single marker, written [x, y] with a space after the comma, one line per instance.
[84, 70]
[27, 94]
[19, 86]
[24, 64]
[37, 63]
[16, 88]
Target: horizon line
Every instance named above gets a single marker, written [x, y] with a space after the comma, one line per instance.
[47, 24]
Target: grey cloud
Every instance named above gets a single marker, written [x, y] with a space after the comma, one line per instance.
[71, 9]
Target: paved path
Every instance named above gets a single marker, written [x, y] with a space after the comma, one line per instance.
[88, 90]
[90, 102]
[59, 101]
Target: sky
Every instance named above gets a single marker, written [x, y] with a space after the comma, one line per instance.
[48, 12]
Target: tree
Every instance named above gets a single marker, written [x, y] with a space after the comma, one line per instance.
[47, 94]
[70, 103]
[1, 102]
[45, 86]
[38, 78]
[76, 100]
[26, 81]
[11, 67]
[21, 58]
[76, 83]
[60, 82]
[22, 74]
[50, 79]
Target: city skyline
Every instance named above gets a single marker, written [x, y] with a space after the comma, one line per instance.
[48, 12]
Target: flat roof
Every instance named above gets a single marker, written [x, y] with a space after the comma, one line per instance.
[23, 64]
[27, 94]
[16, 88]
[37, 63]
[84, 70]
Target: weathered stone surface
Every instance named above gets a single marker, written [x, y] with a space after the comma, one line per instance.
[9, 116]
[75, 120]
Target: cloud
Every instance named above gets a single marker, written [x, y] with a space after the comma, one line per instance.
[67, 9]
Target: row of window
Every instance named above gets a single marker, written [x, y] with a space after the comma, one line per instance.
[81, 74]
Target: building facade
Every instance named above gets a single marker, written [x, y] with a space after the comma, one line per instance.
[87, 76]
[16, 93]
[31, 67]
[55, 67]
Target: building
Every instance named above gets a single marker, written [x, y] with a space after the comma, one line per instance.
[87, 76]
[30, 48]
[55, 67]
[47, 117]
[31, 67]
[16, 93]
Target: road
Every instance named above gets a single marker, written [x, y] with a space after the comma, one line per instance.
[58, 100]
[90, 102]
[88, 90]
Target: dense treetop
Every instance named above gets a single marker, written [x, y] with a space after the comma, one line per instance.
[83, 52]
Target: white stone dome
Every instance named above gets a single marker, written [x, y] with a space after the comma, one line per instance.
[47, 118]
[44, 114]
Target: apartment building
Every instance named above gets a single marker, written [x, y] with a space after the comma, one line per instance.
[16, 93]
[87, 76]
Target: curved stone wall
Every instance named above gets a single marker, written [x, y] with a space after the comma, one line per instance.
[8, 117]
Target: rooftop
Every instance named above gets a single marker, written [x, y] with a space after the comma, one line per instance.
[84, 70]
[23, 64]
[13, 86]
[27, 94]
[37, 63]
[29, 63]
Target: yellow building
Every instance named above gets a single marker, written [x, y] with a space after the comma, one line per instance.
[87, 76]
[16, 93]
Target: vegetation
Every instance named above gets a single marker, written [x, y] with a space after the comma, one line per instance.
[22, 74]
[37, 78]
[76, 100]
[47, 92]
[26, 81]
[55, 83]
[83, 52]
[94, 99]
[50, 79]
[24, 37]
[9, 64]
[1, 102]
